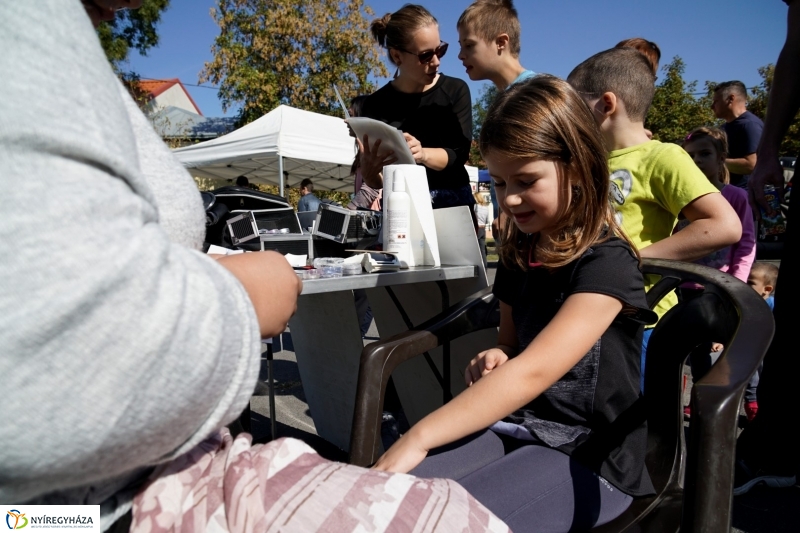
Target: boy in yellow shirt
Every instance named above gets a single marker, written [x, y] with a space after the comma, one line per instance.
[653, 182]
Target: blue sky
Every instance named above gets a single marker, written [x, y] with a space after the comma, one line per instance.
[718, 39]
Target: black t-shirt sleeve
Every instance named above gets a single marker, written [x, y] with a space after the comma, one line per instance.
[462, 107]
[611, 268]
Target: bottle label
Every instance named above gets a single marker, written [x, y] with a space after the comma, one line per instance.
[397, 222]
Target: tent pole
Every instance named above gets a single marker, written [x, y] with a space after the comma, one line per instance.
[280, 171]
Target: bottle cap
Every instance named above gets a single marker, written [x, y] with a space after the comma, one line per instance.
[399, 183]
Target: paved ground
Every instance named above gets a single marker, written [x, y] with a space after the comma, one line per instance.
[760, 511]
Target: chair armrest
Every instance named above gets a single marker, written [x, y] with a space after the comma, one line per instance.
[379, 359]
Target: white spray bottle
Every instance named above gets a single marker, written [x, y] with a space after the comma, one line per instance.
[398, 219]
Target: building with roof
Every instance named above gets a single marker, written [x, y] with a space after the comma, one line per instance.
[160, 94]
[175, 115]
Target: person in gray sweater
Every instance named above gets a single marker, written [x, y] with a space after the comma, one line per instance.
[122, 344]
[124, 350]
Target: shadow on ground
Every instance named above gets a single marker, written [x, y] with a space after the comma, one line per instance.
[260, 429]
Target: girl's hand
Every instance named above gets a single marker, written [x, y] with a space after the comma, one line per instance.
[403, 456]
[484, 363]
[373, 161]
[416, 148]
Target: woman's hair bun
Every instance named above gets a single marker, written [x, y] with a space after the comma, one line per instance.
[378, 28]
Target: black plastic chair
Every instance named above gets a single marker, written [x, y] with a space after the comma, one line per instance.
[728, 311]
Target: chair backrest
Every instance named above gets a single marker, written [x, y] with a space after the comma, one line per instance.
[694, 483]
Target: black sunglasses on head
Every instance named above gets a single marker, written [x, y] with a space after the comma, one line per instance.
[427, 56]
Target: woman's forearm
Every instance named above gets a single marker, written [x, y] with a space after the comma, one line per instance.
[435, 158]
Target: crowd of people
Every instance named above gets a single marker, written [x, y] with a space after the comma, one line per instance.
[128, 351]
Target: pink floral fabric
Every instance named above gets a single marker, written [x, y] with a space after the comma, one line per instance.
[229, 485]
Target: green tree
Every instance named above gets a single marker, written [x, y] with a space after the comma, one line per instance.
[757, 104]
[759, 95]
[272, 52]
[479, 109]
[131, 29]
[675, 111]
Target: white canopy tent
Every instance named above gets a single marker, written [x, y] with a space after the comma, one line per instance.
[281, 148]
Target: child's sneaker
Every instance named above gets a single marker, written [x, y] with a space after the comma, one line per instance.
[746, 478]
[751, 409]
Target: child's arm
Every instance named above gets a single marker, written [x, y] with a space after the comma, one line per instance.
[577, 326]
[507, 347]
[714, 225]
[743, 253]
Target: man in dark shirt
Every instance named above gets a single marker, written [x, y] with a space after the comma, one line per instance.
[742, 128]
[308, 200]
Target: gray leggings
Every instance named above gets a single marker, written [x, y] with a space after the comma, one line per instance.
[530, 487]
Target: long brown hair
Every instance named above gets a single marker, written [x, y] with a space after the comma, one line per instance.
[544, 118]
[356, 107]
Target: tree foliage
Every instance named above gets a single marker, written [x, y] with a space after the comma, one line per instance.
[131, 29]
[272, 52]
[479, 109]
[675, 110]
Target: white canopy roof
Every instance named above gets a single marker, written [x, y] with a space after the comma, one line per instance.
[304, 144]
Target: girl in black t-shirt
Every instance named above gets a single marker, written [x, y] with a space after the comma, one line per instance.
[567, 362]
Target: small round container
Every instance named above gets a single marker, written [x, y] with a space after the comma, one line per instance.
[351, 269]
[331, 271]
[312, 273]
[321, 262]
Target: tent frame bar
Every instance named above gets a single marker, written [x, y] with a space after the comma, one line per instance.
[281, 174]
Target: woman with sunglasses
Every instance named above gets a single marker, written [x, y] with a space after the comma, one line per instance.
[433, 111]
